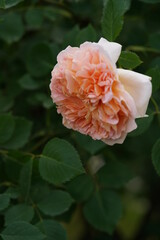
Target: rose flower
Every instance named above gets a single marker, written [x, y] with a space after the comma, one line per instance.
[93, 96]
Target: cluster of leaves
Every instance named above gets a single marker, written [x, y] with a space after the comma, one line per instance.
[49, 190]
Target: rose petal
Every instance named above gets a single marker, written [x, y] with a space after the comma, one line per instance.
[139, 87]
[111, 142]
[113, 49]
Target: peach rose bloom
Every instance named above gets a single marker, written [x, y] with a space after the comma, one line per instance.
[93, 96]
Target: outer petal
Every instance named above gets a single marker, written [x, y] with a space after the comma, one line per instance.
[111, 142]
[113, 49]
[139, 87]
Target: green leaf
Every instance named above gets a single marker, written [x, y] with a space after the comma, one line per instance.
[40, 59]
[90, 145]
[34, 18]
[156, 156]
[69, 38]
[155, 74]
[13, 192]
[21, 231]
[114, 174]
[84, 189]
[4, 201]
[45, 100]
[86, 34]
[59, 162]
[9, 3]
[129, 60]
[6, 102]
[150, 1]
[2, 3]
[53, 230]
[7, 125]
[25, 178]
[11, 28]
[56, 203]
[28, 83]
[142, 125]
[103, 210]
[20, 135]
[20, 212]
[112, 21]
[154, 40]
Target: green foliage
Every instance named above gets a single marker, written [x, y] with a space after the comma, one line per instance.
[142, 125]
[155, 74]
[90, 145]
[129, 60]
[56, 203]
[87, 33]
[86, 187]
[25, 178]
[150, 1]
[21, 230]
[11, 27]
[40, 59]
[59, 162]
[112, 21]
[4, 200]
[20, 135]
[19, 212]
[114, 174]
[9, 3]
[28, 83]
[107, 210]
[7, 125]
[52, 230]
[156, 156]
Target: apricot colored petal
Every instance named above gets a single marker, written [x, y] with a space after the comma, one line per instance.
[111, 142]
[139, 87]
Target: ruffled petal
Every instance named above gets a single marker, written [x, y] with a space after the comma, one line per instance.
[111, 142]
[139, 87]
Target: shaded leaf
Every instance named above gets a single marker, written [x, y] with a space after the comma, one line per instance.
[129, 60]
[20, 212]
[114, 174]
[90, 145]
[21, 231]
[4, 201]
[40, 59]
[25, 178]
[11, 27]
[20, 135]
[107, 210]
[34, 18]
[27, 82]
[80, 187]
[142, 125]
[150, 1]
[7, 126]
[56, 203]
[156, 156]
[154, 40]
[53, 230]
[9, 3]
[155, 74]
[86, 34]
[59, 162]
